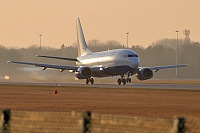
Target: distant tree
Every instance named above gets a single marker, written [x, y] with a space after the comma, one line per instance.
[161, 52]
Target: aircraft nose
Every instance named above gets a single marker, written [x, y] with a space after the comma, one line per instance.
[135, 62]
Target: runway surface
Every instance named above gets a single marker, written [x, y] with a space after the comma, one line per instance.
[131, 85]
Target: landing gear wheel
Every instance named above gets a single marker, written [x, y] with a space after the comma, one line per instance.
[128, 80]
[124, 81]
[91, 80]
[87, 81]
[119, 81]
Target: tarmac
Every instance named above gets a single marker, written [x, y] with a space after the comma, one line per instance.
[130, 85]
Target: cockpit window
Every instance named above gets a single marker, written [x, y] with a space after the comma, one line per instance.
[131, 55]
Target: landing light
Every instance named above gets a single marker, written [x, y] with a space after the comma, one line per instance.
[61, 70]
[71, 71]
[6, 77]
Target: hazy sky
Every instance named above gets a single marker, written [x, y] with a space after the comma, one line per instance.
[21, 21]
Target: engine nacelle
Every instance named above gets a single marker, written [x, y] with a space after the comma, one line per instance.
[83, 72]
[144, 74]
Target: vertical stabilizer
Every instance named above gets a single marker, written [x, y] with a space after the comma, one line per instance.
[82, 47]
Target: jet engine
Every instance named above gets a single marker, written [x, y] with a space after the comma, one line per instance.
[144, 74]
[83, 72]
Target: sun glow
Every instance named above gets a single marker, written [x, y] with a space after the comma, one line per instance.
[95, 60]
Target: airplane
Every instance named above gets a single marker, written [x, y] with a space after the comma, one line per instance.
[117, 62]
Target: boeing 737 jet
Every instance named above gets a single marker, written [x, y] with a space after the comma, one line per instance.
[118, 62]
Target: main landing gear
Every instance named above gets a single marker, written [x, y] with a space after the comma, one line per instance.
[89, 80]
[123, 80]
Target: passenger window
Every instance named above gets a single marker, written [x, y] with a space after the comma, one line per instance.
[125, 56]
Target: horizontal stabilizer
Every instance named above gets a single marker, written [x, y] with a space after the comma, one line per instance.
[55, 57]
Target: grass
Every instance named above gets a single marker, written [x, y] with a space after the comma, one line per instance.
[122, 101]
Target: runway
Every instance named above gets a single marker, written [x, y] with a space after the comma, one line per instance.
[130, 85]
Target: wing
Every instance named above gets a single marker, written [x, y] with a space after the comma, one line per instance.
[62, 68]
[55, 57]
[156, 68]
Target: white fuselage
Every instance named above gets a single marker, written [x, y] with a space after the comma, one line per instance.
[119, 58]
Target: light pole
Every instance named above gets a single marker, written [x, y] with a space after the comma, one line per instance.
[127, 39]
[40, 48]
[177, 53]
[40, 41]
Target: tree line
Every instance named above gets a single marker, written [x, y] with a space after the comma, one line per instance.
[162, 52]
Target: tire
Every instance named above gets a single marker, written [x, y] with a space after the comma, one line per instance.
[119, 81]
[92, 81]
[129, 80]
[124, 81]
[87, 81]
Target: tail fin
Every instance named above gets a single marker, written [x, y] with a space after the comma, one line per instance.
[82, 46]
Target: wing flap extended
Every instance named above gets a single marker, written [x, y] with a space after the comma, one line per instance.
[55, 57]
[46, 65]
